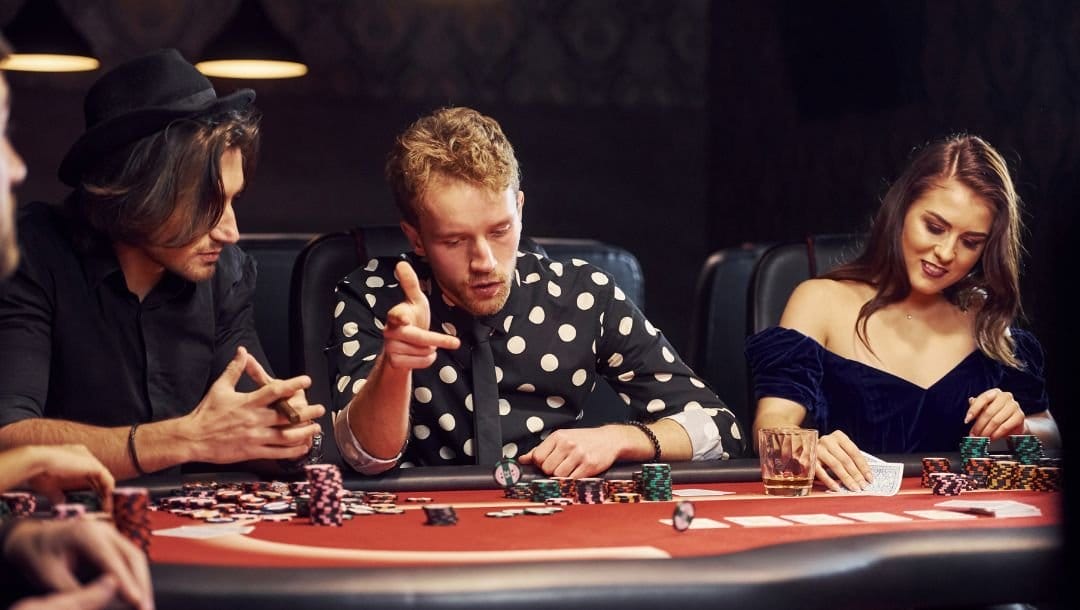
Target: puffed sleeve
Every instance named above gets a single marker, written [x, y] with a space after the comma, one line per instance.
[1029, 384]
[785, 363]
[361, 301]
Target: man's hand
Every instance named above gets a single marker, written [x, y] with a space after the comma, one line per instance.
[62, 467]
[407, 341]
[578, 452]
[995, 414]
[839, 454]
[229, 426]
[52, 553]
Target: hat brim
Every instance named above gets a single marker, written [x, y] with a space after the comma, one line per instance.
[122, 130]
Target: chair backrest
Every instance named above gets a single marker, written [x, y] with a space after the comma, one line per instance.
[332, 256]
[718, 326]
[782, 267]
[619, 262]
[274, 255]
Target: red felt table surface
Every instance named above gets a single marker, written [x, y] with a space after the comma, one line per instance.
[602, 526]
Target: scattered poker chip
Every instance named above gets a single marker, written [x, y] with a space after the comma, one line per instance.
[500, 514]
[418, 499]
[559, 501]
[440, 514]
[544, 511]
[683, 516]
[507, 472]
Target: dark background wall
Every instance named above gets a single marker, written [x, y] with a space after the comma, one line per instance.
[671, 128]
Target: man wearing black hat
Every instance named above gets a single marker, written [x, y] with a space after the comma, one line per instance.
[128, 325]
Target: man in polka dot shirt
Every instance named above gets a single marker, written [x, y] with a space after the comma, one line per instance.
[403, 328]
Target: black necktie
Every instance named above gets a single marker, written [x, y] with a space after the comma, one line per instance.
[487, 443]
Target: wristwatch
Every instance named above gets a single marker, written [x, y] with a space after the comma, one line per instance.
[313, 456]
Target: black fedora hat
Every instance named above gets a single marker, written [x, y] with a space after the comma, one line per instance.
[138, 98]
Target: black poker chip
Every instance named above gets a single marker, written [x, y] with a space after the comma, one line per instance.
[683, 516]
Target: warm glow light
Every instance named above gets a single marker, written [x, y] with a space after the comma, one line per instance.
[43, 62]
[251, 68]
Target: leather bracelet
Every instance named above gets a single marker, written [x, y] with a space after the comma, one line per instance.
[652, 438]
[134, 454]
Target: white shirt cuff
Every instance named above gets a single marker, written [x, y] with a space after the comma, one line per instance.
[351, 451]
[704, 434]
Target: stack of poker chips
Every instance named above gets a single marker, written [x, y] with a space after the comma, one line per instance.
[590, 490]
[519, 491]
[325, 486]
[947, 483]
[567, 486]
[440, 514]
[656, 482]
[542, 489]
[1025, 448]
[131, 514]
[616, 486]
[978, 468]
[974, 447]
[90, 500]
[1049, 478]
[931, 465]
[68, 511]
[1003, 474]
[19, 503]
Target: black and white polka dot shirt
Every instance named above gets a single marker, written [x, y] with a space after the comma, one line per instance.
[564, 324]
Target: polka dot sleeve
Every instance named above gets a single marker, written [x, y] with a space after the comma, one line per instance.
[361, 302]
[647, 373]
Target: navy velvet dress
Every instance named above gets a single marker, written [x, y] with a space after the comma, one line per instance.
[880, 412]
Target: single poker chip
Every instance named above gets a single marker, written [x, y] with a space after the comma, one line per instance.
[500, 514]
[683, 516]
[507, 472]
[418, 499]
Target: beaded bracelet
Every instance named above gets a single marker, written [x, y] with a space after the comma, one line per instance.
[652, 438]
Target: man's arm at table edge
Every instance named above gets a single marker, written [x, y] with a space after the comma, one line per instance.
[159, 444]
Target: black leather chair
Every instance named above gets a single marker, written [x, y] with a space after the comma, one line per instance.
[718, 327]
[274, 255]
[780, 269]
[783, 266]
[332, 256]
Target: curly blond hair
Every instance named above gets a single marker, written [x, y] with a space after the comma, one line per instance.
[451, 143]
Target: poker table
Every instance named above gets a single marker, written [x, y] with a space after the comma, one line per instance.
[617, 555]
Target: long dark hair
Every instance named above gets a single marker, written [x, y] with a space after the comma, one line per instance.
[993, 285]
[131, 194]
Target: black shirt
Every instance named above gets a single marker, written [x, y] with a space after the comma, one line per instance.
[563, 325]
[75, 344]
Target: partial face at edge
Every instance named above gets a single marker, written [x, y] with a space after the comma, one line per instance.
[12, 173]
[470, 237]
